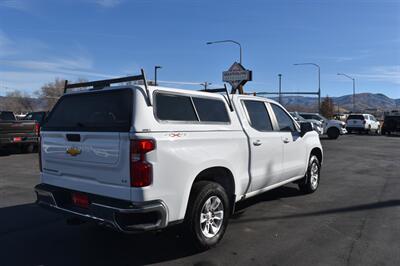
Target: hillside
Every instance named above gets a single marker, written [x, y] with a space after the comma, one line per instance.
[363, 101]
[298, 103]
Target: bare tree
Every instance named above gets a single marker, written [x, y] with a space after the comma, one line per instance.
[19, 102]
[327, 107]
[51, 92]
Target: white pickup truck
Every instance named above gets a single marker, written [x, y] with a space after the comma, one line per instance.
[140, 158]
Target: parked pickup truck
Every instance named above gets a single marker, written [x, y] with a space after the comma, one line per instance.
[391, 123]
[140, 158]
[13, 132]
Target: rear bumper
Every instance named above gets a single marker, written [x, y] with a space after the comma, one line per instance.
[356, 129]
[124, 216]
[7, 141]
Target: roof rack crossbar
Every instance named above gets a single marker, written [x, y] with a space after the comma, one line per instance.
[224, 89]
[100, 84]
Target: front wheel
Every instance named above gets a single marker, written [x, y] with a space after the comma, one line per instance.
[333, 133]
[310, 182]
[207, 215]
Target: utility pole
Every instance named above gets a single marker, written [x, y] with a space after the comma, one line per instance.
[280, 88]
[205, 85]
[155, 74]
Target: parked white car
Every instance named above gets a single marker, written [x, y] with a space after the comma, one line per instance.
[139, 158]
[362, 123]
[317, 125]
[333, 128]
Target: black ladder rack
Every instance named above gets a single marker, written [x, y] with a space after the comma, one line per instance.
[224, 89]
[101, 84]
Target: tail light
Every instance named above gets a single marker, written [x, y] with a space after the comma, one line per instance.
[37, 129]
[40, 154]
[141, 170]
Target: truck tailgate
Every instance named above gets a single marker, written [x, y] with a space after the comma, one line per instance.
[85, 143]
[96, 157]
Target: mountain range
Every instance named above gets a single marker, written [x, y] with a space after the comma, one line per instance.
[363, 101]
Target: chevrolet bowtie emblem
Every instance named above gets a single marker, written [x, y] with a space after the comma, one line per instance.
[73, 151]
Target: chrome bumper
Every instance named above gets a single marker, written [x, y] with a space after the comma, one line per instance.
[128, 217]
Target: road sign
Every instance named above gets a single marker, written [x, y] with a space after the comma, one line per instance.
[236, 75]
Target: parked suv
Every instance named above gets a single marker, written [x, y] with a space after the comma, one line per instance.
[333, 128]
[140, 158]
[362, 123]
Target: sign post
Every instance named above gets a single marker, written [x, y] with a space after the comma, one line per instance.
[237, 76]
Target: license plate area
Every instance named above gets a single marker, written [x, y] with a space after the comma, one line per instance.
[80, 200]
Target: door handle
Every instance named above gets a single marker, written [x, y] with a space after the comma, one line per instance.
[257, 142]
[286, 140]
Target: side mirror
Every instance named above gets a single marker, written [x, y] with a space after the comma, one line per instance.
[305, 127]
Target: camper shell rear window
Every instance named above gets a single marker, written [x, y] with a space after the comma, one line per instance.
[104, 111]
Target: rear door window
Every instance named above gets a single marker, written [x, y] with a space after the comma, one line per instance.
[258, 114]
[105, 111]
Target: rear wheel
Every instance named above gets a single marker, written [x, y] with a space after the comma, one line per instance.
[310, 182]
[207, 215]
[333, 133]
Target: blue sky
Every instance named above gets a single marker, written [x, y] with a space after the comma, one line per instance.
[95, 39]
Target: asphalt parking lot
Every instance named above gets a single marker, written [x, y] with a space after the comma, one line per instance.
[353, 219]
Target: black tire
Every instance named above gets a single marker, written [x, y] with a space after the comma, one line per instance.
[333, 133]
[201, 192]
[29, 148]
[307, 185]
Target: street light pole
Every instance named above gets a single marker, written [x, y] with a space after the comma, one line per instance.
[319, 81]
[155, 74]
[354, 89]
[280, 88]
[231, 41]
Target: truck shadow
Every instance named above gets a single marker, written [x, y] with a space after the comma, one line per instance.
[277, 193]
[46, 239]
[30, 235]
